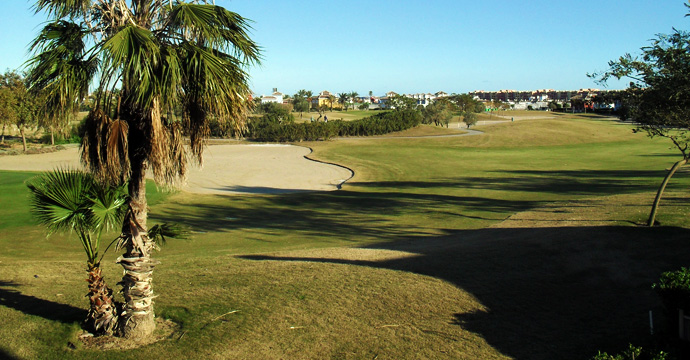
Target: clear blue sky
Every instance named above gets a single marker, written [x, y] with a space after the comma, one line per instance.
[422, 46]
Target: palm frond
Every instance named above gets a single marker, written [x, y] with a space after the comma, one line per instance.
[214, 27]
[116, 148]
[60, 69]
[160, 232]
[134, 52]
[108, 206]
[60, 199]
[62, 8]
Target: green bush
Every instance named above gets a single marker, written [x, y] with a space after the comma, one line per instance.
[266, 129]
[674, 289]
[633, 353]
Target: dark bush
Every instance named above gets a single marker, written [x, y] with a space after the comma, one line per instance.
[266, 129]
[633, 353]
[674, 289]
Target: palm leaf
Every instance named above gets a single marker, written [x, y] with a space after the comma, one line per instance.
[61, 70]
[66, 200]
[134, 53]
[62, 8]
[108, 206]
[60, 199]
[215, 27]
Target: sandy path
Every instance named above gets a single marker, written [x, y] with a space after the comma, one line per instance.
[228, 169]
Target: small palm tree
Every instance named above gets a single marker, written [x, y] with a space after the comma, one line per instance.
[70, 200]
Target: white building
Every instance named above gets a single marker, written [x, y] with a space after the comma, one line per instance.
[276, 97]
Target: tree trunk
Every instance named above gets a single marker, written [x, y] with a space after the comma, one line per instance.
[52, 136]
[660, 192]
[3, 134]
[21, 131]
[137, 319]
[102, 317]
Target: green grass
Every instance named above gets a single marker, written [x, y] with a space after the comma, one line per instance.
[412, 259]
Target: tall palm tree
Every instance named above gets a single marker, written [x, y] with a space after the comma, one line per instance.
[66, 200]
[353, 98]
[342, 98]
[149, 58]
[331, 99]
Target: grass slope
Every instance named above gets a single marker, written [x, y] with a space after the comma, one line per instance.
[518, 243]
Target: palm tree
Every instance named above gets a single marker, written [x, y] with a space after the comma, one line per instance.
[149, 58]
[354, 95]
[342, 98]
[65, 200]
[331, 99]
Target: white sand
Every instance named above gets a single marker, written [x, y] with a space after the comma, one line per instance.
[228, 169]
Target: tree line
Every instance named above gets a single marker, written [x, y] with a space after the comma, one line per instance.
[273, 128]
[276, 122]
[26, 109]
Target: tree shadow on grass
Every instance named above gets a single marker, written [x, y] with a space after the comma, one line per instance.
[342, 214]
[551, 293]
[558, 182]
[6, 355]
[31, 305]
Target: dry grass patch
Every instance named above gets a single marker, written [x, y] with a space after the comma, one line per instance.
[322, 304]
[426, 130]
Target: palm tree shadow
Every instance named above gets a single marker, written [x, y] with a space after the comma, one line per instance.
[6, 355]
[31, 305]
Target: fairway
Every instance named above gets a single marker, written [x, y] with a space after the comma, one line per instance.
[522, 242]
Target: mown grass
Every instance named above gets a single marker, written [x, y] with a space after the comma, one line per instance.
[412, 259]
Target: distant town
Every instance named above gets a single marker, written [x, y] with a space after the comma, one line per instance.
[541, 99]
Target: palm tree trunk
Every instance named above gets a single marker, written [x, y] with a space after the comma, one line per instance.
[102, 316]
[137, 320]
[3, 133]
[660, 192]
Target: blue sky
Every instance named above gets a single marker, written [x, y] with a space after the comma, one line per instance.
[422, 46]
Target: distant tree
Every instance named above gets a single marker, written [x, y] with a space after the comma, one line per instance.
[479, 107]
[469, 118]
[300, 101]
[363, 106]
[552, 105]
[278, 113]
[439, 113]
[300, 105]
[658, 97]
[20, 107]
[401, 102]
[353, 98]
[464, 102]
[343, 99]
[331, 100]
[7, 106]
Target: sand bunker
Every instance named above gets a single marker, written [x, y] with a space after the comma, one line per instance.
[228, 169]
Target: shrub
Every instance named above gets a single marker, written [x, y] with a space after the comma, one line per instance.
[266, 129]
[633, 353]
[674, 289]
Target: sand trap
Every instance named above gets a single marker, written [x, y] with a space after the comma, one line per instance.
[228, 169]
